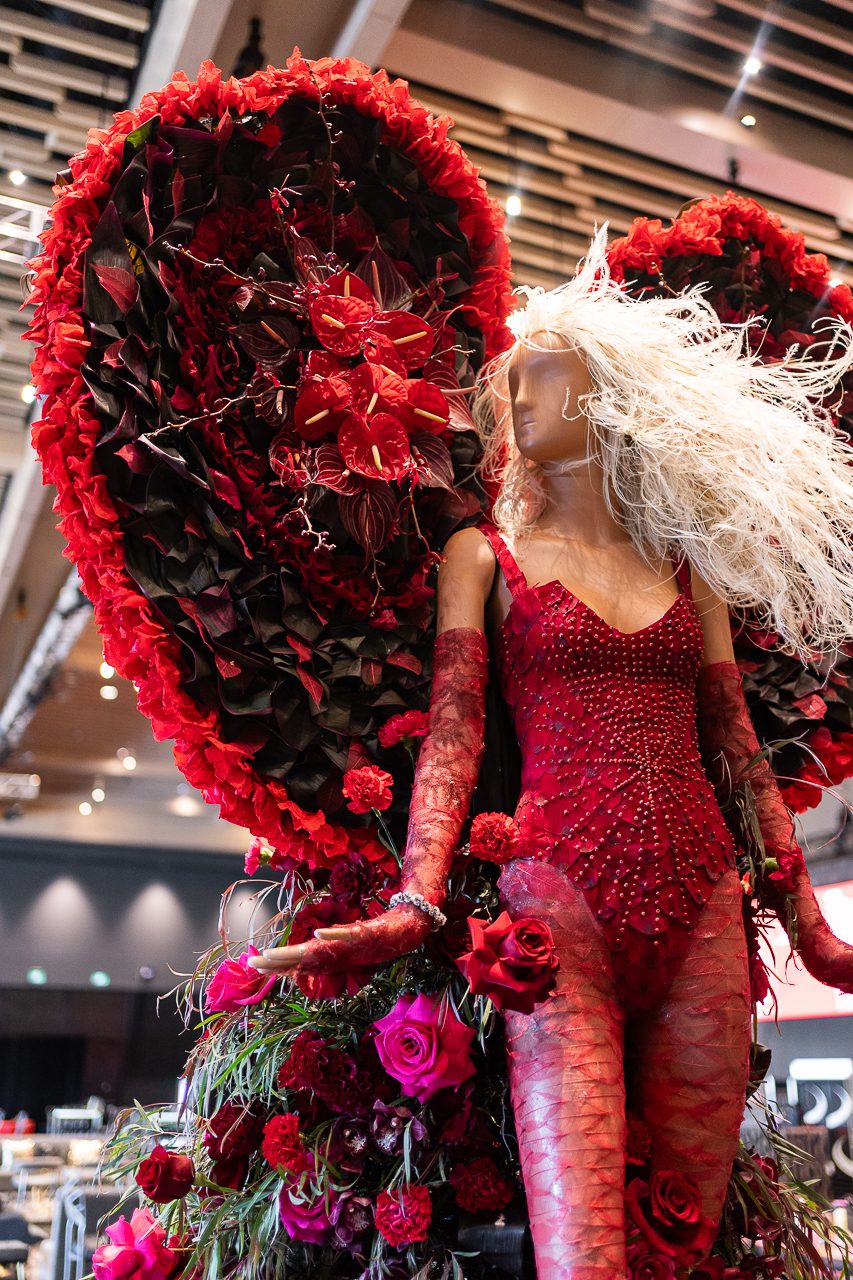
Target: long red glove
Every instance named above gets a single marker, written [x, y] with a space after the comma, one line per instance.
[445, 778]
[730, 748]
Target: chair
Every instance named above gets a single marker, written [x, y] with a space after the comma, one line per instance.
[84, 1207]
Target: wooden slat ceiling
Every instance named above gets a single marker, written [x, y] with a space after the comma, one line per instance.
[65, 67]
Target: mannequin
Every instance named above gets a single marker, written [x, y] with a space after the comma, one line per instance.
[573, 1152]
[605, 646]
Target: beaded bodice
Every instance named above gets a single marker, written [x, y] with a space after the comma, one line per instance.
[613, 789]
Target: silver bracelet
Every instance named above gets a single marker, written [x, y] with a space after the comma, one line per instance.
[436, 915]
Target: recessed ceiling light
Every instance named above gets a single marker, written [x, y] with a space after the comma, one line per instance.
[17, 177]
[99, 795]
[752, 66]
[36, 976]
[28, 393]
[513, 205]
[107, 672]
[185, 806]
[99, 978]
[748, 122]
[835, 281]
[108, 692]
[129, 763]
[84, 808]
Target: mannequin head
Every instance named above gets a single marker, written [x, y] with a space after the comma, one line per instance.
[678, 416]
[546, 386]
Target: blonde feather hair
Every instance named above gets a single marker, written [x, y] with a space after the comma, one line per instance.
[704, 448]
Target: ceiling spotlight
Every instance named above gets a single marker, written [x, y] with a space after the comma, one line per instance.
[28, 393]
[99, 978]
[752, 66]
[99, 795]
[513, 205]
[107, 672]
[129, 763]
[748, 122]
[36, 976]
[84, 808]
[835, 281]
[17, 177]
[108, 692]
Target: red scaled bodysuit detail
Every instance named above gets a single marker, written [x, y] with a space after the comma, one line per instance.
[613, 790]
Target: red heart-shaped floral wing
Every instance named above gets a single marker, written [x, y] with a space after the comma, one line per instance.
[754, 266]
[259, 306]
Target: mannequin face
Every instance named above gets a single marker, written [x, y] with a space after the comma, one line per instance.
[544, 388]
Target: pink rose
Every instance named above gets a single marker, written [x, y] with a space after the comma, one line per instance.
[304, 1212]
[235, 986]
[423, 1044]
[136, 1251]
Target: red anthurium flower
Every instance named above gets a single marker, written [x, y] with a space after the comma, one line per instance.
[340, 311]
[379, 349]
[346, 284]
[322, 364]
[376, 389]
[339, 322]
[411, 336]
[377, 447]
[320, 408]
[426, 407]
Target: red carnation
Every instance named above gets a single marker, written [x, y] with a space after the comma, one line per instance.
[480, 1185]
[367, 788]
[282, 1147]
[164, 1175]
[403, 1217]
[668, 1211]
[514, 963]
[494, 837]
[405, 725]
[234, 1131]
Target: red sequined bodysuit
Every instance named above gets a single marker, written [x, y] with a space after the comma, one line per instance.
[613, 790]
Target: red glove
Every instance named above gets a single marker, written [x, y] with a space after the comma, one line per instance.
[445, 778]
[730, 749]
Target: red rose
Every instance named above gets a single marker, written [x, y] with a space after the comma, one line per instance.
[480, 1185]
[282, 1147]
[494, 837]
[403, 1217]
[367, 788]
[165, 1175]
[668, 1211]
[643, 1264]
[514, 963]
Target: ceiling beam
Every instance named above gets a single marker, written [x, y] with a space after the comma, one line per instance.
[368, 28]
[185, 32]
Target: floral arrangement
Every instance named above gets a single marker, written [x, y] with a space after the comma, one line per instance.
[259, 309]
[356, 1125]
[754, 267]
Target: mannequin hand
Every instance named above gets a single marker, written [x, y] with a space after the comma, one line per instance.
[346, 946]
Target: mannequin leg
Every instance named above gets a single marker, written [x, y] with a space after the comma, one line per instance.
[690, 1057]
[567, 1087]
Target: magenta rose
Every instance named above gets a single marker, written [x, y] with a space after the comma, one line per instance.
[136, 1250]
[235, 986]
[668, 1211]
[165, 1175]
[305, 1212]
[423, 1044]
[514, 963]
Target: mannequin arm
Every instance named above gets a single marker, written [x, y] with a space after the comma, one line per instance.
[733, 753]
[445, 778]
